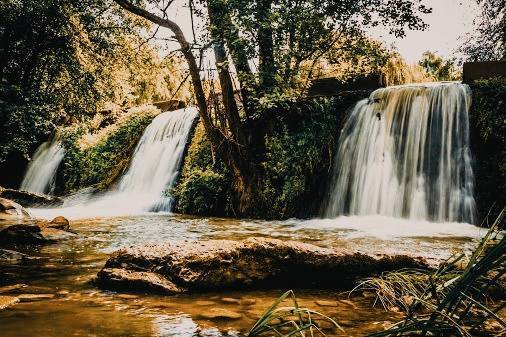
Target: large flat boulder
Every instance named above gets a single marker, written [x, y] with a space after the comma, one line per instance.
[185, 266]
[29, 199]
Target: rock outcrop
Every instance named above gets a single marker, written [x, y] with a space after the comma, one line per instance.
[252, 263]
[29, 199]
[59, 222]
[10, 210]
[36, 234]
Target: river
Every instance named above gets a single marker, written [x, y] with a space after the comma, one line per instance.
[70, 305]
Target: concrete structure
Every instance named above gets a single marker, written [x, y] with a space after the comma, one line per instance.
[479, 70]
[331, 86]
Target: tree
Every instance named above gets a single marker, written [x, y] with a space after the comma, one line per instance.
[438, 68]
[61, 59]
[280, 36]
[488, 41]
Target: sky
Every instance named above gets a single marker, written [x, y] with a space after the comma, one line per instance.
[449, 22]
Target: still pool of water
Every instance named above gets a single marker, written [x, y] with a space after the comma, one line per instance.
[70, 305]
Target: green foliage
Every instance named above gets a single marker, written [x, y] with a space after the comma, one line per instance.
[61, 59]
[453, 300]
[489, 100]
[98, 164]
[488, 138]
[285, 35]
[204, 185]
[297, 141]
[488, 40]
[298, 154]
[438, 68]
[42, 68]
[24, 119]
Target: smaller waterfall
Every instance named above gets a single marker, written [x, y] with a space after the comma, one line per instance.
[153, 169]
[404, 152]
[157, 158]
[41, 173]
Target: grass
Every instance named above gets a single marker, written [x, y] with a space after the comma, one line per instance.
[452, 300]
[292, 320]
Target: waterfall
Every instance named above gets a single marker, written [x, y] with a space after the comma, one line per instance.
[153, 169]
[404, 152]
[157, 158]
[41, 173]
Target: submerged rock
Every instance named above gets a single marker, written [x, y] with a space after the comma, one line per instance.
[11, 288]
[59, 223]
[7, 255]
[7, 301]
[29, 199]
[10, 210]
[252, 263]
[22, 234]
[219, 313]
[35, 297]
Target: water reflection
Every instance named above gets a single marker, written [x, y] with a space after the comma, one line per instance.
[71, 305]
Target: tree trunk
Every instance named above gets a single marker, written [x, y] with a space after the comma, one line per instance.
[223, 29]
[234, 154]
[266, 65]
[227, 87]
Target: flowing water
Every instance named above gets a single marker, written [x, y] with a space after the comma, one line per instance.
[404, 152]
[70, 305]
[153, 170]
[156, 160]
[41, 173]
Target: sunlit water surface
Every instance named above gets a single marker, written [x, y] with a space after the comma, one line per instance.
[78, 308]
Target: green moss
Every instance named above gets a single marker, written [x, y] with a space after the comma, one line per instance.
[204, 185]
[100, 163]
[488, 133]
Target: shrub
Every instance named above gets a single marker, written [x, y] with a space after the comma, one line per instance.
[204, 185]
[97, 158]
[299, 156]
[294, 144]
[488, 139]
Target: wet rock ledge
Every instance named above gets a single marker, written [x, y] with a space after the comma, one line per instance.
[254, 263]
[29, 199]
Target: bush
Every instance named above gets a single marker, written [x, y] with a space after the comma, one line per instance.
[98, 158]
[297, 156]
[294, 144]
[488, 133]
[204, 185]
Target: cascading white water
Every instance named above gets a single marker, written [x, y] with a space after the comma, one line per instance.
[404, 152]
[41, 173]
[156, 159]
[153, 169]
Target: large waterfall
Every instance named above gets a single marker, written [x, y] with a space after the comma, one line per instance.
[41, 173]
[404, 152]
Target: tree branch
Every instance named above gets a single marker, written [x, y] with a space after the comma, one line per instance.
[190, 59]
